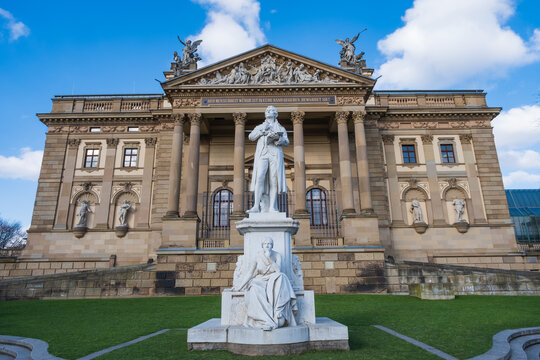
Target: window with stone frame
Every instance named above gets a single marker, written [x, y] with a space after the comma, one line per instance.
[222, 208]
[447, 153]
[317, 207]
[91, 157]
[130, 157]
[409, 153]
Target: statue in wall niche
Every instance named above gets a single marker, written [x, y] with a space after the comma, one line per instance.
[459, 207]
[122, 214]
[416, 210]
[83, 213]
[269, 168]
[269, 295]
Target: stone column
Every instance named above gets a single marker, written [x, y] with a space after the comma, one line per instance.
[362, 162]
[102, 211]
[393, 185]
[175, 170]
[143, 215]
[472, 178]
[433, 181]
[238, 180]
[67, 183]
[192, 178]
[345, 162]
[299, 163]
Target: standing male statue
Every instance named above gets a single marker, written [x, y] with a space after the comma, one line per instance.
[269, 169]
[122, 216]
[83, 212]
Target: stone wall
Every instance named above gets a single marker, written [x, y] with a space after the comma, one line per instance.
[133, 280]
[325, 272]
[11, 268]
[465, 280]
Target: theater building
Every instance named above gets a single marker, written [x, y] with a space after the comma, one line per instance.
[371, 174]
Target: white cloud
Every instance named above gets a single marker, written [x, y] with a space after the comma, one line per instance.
[515, 159]
[26, 166]
[517, 128]
[16, 28]
[233, 26]
[445, 42]
[522, 180]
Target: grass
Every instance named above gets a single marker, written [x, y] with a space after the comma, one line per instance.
[462, 327]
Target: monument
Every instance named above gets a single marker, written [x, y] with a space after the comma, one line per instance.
[267, 311]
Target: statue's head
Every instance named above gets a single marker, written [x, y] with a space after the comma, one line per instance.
[125, 201]
[415, 203]
[267, 244]
[271, 112]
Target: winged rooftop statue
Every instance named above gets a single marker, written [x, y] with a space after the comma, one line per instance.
[348, 49]
[189, 56]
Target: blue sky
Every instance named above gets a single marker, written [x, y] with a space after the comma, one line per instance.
[64, 47]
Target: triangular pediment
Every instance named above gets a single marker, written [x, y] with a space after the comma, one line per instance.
[268, 66]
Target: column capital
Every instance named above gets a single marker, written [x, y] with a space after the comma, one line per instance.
[359, 116]
[465, 138]
[112, 142]
[150, 142]
[387, 139]
[195, 119]
[179, 119]
[239, 118]
[342, 117]
[427, 139]
[74, 143]
[297, 117]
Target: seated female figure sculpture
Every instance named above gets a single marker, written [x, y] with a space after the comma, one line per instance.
[269, 296]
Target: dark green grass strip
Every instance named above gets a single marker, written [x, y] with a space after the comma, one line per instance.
[462, 328]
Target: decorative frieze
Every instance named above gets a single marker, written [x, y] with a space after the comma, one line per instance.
[424, 125]
[350, 100]
[186, 102]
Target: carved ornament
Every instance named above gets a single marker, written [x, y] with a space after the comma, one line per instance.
[112, 141]
[466, 138]
[126, 187]
[74, 143]
[187, 102]
[297, 117]
[459, 124]
[427, 139]
[179, 119]
[387, 139]
[342, 117]
[424, 124]
[239, 118]
[388, 125]
[350, 100]
[195, 119]
[359, 116]
[150, 142]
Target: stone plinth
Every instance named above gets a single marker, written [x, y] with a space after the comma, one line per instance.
[432, 291]
[324, 334]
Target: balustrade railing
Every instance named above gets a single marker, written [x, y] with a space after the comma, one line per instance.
[98, 106]
[135, 105]
[440, 101]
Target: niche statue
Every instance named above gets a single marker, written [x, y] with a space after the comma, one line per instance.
[122, 214]
[269, 169]
[83, 213]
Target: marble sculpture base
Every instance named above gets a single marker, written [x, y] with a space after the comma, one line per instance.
[325, 334]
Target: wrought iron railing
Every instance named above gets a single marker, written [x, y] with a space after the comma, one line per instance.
[214, 233]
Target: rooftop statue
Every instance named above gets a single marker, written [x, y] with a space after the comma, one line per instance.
[189, 57]
[347, 53]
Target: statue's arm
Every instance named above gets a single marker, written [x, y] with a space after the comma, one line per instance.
[255, 133]
[283, 140]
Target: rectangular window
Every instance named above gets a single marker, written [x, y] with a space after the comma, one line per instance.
[91, 158]
[95, 129]
[133, 128]
[447, 153]
[409, 154]
[130, 157]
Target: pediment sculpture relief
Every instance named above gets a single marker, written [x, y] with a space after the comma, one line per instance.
[268, 72]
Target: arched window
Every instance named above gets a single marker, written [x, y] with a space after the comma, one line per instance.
[223, 205]
[316, 206]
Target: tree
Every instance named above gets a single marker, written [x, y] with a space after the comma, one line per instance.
[11, 234]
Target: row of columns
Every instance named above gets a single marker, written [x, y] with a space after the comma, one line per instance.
[192, 177]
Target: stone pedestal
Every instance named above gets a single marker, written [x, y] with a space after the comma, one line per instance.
[229, 332]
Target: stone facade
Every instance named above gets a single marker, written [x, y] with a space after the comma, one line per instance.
[347, 144]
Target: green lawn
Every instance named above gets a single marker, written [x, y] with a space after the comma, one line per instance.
[462, 327]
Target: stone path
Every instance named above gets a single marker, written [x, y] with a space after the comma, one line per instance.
[18, 347]
[426, 347]
[516, 344]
